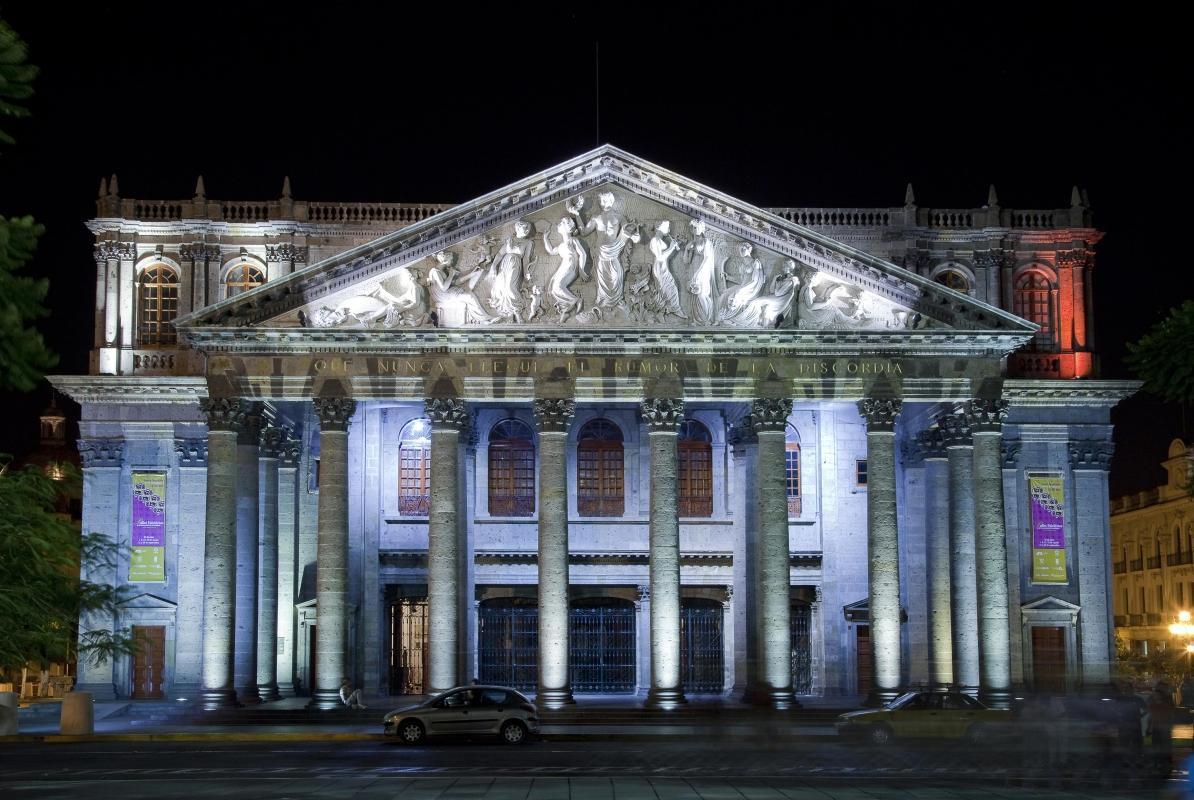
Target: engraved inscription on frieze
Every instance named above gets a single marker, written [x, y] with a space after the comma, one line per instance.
[608, 258]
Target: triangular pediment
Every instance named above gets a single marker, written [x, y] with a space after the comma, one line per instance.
[145, 600]
[606, 241]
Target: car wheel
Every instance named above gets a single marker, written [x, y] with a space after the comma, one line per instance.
[977, 734]
[513, 732]
[879, 734]
[411, 731]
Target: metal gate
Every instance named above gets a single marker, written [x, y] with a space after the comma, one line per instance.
[802, 670]
[602, 646]
[508, 640]
[408, 645]
[702, 651]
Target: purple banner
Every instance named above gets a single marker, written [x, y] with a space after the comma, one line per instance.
[1048, 523]
[149, 509]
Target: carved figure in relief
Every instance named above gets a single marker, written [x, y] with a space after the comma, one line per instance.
[707, 284]
[666, 294]
[613, 235]
[770, 310]
[509, 268]
[448, 296]
[408, 300]
[752, 278]
[819, 309]
[536, 302]
[573, 263]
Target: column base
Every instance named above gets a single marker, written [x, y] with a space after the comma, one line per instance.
[970, 690]
[879, 697]
[249, 696]
[219, 699]
[555, 698]
[665, 699]
[268, 691]
[779, 699]
[996, 698]
[286, 689]
[99, 691]
[325, 701]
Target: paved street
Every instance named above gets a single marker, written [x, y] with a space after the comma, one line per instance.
[739, 769]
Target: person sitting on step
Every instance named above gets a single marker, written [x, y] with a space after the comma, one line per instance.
[350, 697]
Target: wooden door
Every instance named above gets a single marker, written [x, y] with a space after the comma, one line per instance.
[149, 661]
[312, 685]
[866, 659]
[1048, 659]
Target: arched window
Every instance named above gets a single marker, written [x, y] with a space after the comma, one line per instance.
[695, 455]
[241, 278]
[414, 468]
[157, 306]
[955, 280]
[1030, 300]
[511, 470]
[600, 488]
[792, 462]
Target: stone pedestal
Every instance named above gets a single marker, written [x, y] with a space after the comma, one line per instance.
[883, 551]
[986, 421]
[448, 419]
[9, 702]
[331, 577]
[78, 714]
[553, 418]
[224, 417]
[663, 417]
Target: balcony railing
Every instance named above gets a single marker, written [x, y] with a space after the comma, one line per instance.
[1135, 619]
[1154, 562]
[1121, 620]
[1120, 567]
[1177, 559]
[1136, 565]
[1152, 619]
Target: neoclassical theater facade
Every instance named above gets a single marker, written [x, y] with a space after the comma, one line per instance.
[604, 430]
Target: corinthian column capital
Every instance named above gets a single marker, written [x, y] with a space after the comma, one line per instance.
[271, 441]
[334, 413]
[880, 413]
[447, 412]
[770, 413]
[986, 416]
[554, 416]
[663, 414]
[223, 413]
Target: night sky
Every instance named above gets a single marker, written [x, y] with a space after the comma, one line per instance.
[797, 108]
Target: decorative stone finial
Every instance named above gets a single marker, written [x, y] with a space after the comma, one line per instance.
[114, 186]
[992, 197]
[1076, 198]
[446, 412]
[880, 413]
[103, 190]
[199, 192]
[909, 195]
[334, 413]
[663, 414]
[770, 413]
[554, 416]
[286, 188]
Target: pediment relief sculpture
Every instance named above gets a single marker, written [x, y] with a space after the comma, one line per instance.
[629, 262]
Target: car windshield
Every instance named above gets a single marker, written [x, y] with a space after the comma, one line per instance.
[902, 700]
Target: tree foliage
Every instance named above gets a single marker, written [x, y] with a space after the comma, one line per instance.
[42, 596]
[16, 77]
[1164, 357]
[24, 355]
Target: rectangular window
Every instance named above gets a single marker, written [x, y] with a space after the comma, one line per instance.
[860, 472]
[511, 479]
[1181, 599]
[599, 467]
[696, 479]
[414, 481]
[793, 475]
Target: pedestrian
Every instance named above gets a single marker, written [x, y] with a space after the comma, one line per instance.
[43, 689]
[349, 696]
[1187, 692]
[1160, 712]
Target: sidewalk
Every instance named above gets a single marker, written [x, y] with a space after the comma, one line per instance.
[592, 718]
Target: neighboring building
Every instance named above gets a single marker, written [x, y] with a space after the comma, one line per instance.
[1152, 548]
[603, 430]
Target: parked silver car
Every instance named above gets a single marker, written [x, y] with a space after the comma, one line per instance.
[466, 710]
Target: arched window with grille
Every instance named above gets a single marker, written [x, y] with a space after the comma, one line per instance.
[955, 280]
[414, 468]
[241, 278]
[600, 484]
[511, 470]
[157, 306]
[1031, 300]
[792, 471]
[695, 456]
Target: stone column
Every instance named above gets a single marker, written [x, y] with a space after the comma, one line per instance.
[331, 556]
[248, 553]
[963, 577]
[271, 442]
[288, 462]
[663, 417]
[448, 419]
[553, 418]
[1090, 461]
[224, 417]
[102, 461]
[769, 417]
[941, 646]
[188, 621]
[883, 549]
[986, 424]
